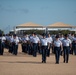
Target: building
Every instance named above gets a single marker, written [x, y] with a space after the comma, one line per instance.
[60, 26]
[20, 29]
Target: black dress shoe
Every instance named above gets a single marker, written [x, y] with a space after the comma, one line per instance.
[42, 61]
[48, 55]
[66, 61]
[57, 63]
[63, 61]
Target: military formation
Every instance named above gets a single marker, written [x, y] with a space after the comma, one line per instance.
[43, 44]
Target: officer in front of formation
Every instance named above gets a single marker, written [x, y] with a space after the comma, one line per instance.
[57, 48]
[66, 48]
[44, 44]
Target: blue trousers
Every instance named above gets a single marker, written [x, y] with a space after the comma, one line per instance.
[10, 48]
[15, 49]
[57, 53]
[75, 49]
[28, 48]
[34, 49]
[66, 53]
[1, 48]
[23, 48]
[48, 50]
[44, 50]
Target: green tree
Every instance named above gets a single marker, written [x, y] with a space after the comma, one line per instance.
[1, 31]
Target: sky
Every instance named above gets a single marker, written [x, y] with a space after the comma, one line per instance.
[43, 12]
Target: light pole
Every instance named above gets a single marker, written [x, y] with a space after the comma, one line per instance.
[14, 28]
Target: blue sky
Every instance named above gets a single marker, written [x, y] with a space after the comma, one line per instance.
[44, 12]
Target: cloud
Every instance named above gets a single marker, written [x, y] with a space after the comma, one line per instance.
[12, 10]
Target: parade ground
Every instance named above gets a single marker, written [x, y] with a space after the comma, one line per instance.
[24, 64]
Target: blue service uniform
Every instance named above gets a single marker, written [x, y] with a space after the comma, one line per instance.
[1, 52]
[72, 39]
[74, 45]
[7, 41]
[27, 44]
[35, 41]
[61, 39]
[57, 49]
[2, 45]
[3, 41]
[49, 40]
[44, 49]
[11, 44]
[31, 45]
[24, 45]
[15, 45]
[66, 49]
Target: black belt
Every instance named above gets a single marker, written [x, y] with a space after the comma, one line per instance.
[57, 47]
[65, 46]
[44, 46]
[35, 43]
